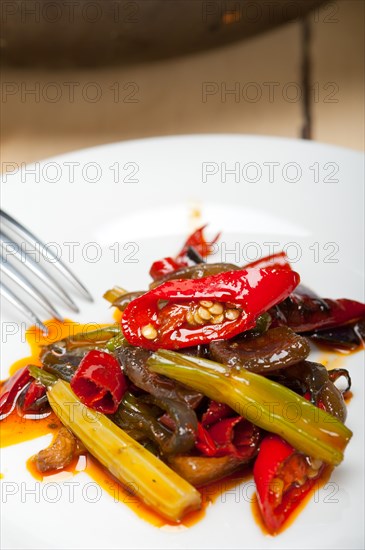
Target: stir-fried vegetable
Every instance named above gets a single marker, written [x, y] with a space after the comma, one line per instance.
[242, 395]
[201, 470]
[134, 361]
[283, 477]
[99, 382]
[169, 265]
[127, 460]
[11, 389]
[278, 348]
[199, 311]
[314, 381]
[264, 402]
[135, 415]
[305, 313]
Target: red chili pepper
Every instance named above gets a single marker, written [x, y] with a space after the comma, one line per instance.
[215, 412]
[231, 436]
[199, 242]
[305, 313]
[251, 291]
[204, 442]
[164, 266]
[278, 260]
[169, 265]
[32, 399]
[11, 389]
[99, 382]
[283, 478]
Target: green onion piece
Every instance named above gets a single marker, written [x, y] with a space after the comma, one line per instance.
[143, 473]
[98, 336]
[116, 342]
[114, 293]
[265, 403]
[44, 377]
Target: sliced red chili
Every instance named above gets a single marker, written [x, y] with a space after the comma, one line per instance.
[162, 267]
[235, 437]
[198, 241]
[215, 412]
[283, 478]
[165, 266]
[305, 313]
[99, 382]
[11, 389]
[204, 442]
[185, 312]
[33, 399]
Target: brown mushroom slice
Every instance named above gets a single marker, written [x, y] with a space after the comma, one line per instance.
[60, 453]
[200, 470]
[275, 349]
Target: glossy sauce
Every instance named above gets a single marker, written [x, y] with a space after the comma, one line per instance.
[31, 429]
[15, 429]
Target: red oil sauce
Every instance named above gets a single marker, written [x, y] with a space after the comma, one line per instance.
[15, 429]
[335, 358]
[348, 396]
[256, 512]
[110, 485]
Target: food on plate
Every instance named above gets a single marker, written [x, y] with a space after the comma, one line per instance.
[205, 374]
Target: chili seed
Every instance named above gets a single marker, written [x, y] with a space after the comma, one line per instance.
[206, 303]
[216, 309]
[149, 332]
[315, 463]
[232, 314]
[217, 319]
[198, 319]
[276, 487]
[204, 313]
[190, 318]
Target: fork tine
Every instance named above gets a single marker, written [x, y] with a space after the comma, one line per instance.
[23, 282]
[21, 306]
[39, 271]
[32, 239]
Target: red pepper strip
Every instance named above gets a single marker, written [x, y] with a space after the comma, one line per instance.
[304, 313]
[235, 437]
[281, 477]
[11, 389]
[198, 241]
[204, 442]
[232, 436]
[165, 266]
[99, 382]
[35, 391]
[278, 260]
[215, 412]
[169, 265]
[253, 290]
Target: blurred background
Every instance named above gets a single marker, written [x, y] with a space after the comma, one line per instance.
[82, 73]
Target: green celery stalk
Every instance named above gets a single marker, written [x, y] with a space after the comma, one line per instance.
[265, 403]
[152, 480]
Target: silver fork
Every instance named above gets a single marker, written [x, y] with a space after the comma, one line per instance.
[19, 254]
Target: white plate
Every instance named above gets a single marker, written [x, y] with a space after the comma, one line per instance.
[147, 195]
